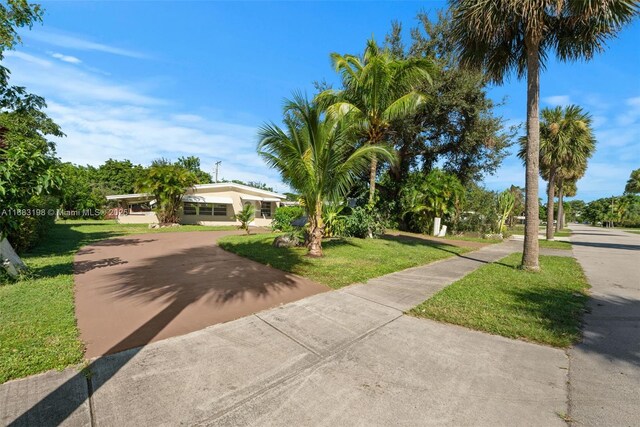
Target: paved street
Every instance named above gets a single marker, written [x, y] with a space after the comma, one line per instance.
[605, 368]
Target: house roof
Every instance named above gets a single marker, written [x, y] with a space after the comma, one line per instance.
[267, 195]
[129, 196]
[239, 187]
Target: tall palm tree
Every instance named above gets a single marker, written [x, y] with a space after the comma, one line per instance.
[378, 89]
[316, 158]
[566, 144]
[502, 36]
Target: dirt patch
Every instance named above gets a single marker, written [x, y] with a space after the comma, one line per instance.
[134, 290]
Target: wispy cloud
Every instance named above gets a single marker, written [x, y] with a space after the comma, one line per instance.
[69, 41]
[66, 58]
[104, 119]
[61, 81]
[557, 100]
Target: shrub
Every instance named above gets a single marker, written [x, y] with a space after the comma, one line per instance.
[364, 223]
[284, 216]
[32, 228]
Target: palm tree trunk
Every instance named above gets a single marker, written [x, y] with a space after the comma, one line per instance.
[372, 179]
[560, 221]
[315, 232]
[532, 208]
[551, 189]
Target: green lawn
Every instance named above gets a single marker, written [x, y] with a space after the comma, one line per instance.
[346, 261]
[554, 244]
[635, 231]
[499, 298]
[37, 315]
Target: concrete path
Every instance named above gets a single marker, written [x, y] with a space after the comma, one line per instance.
[605, 368]
[337, 358]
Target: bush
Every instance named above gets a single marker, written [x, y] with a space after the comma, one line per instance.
[364, 223]
[284, 216]
[32, 228]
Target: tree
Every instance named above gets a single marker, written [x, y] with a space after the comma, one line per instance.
[167, 183]
[566, 144]
[80, 192]
[500, 36]
[192, 164]
[118, 176]
[518, 205]
[633, 184]
[457, 129]
[245, 216]
[377, 89]
[28, 167]
[315, 158]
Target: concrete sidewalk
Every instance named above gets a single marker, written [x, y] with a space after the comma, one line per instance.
[348, 358]
[605, 367]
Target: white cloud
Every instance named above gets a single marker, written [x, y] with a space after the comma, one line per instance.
[25, 57]
[64, 82]
[69, 41]
[557, 100]
[66, 58]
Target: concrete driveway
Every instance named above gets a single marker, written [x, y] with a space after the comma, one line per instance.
[134, 290]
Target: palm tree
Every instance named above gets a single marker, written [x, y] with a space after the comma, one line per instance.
[245, 216]
[316, 158]
[566, 144]
[378, 89]
[633, 184]
[506, 35]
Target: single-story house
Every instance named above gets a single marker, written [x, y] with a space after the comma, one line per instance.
[204, 204]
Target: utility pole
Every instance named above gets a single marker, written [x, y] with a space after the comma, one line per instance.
[217, 167]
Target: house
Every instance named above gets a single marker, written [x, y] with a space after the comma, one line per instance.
[204, 204]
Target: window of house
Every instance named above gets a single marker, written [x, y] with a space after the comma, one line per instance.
[220, 210]
[189, 208]
[205, 209]
[139, 207]
[265, 209]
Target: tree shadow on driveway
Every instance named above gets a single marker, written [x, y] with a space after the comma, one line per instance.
[183, 290]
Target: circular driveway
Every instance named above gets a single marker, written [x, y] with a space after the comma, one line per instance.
[133, 290]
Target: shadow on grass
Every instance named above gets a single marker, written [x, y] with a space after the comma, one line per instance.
[174, 282]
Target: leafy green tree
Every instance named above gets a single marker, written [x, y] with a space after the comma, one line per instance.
[377, 89]
[80, 192]
[505, 35]
[518, 205]
[315, 158]
[28, 167]
[192, 164]
[457, 128]
[118, 176]
[633, 184]
[245, 216]
[167, 183]
[566, 144]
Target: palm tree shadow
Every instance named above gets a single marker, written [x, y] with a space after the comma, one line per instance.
[199, 273]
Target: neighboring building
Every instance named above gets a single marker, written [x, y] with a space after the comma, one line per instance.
[204, 204]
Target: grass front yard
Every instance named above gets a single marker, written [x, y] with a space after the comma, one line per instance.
[346, 261]
[38, 327]
[501, 299]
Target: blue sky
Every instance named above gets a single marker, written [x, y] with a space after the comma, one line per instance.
[141, 80]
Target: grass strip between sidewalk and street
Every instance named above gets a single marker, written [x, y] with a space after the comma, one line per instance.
[500, 298]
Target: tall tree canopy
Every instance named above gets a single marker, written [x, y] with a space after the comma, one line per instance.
[633, 184]
[505, 36]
